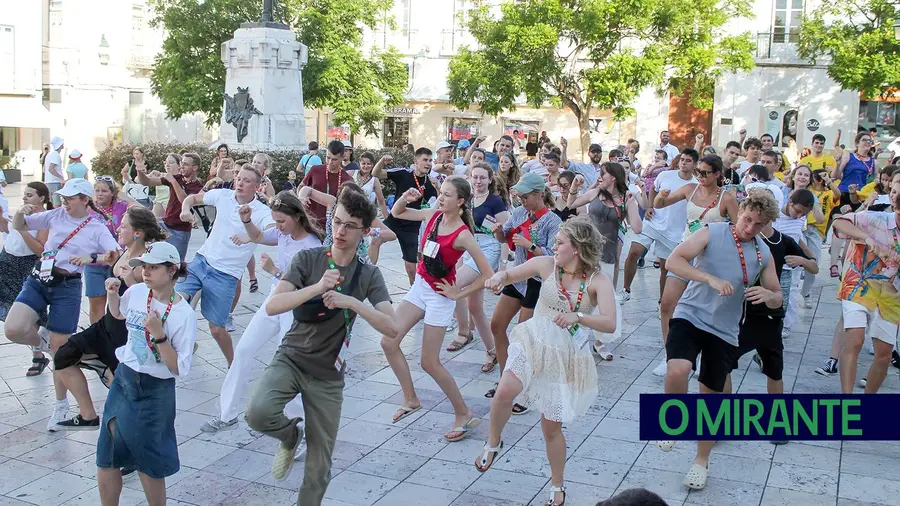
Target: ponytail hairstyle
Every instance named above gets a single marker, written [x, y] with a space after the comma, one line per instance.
[464, 192]
[288, 203]
[93, 207]
[44, 192]
[143, 220]
[549, 199]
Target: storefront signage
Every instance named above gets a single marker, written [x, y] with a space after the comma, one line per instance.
[812, 124]
[401, 110]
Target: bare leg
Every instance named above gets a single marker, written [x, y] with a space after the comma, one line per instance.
[704, 447]
[618, 259]
[555, 442]
[631, 261]
[662, 276]
[837, 342]
[504, 311]
[73, 379]
[476, 310]
[97, 307]
[432, 339]
[670, 297]
[464, 277]
[154, 490]
[879, 367]
[223, 339]
[407, 316]
[847, 364]
[410, 272]
[501, 405]
[57, 340]
[21, 325]
[109, 481]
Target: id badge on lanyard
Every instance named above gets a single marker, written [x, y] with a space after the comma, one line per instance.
[341, 361]
[48, 259]
[694, 226]
[430, 249]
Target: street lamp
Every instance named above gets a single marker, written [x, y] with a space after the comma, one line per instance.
[103, 53]
[897, 29]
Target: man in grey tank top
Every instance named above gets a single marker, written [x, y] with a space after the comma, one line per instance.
[727, 262]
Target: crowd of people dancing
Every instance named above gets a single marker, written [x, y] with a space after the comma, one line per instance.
[737, 238]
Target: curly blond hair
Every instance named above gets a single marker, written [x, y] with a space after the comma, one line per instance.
[586, 240]
[762, 201]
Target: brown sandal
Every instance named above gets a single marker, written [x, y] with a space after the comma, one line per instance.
[37, 366]
[457, 345]
[489, 366]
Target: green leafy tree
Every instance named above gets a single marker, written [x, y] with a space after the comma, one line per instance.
[858, 37]
[586, 54]
[189, 75]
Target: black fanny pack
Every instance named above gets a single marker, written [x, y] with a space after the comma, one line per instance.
[56, 276]
[435, 267]
[315, 311]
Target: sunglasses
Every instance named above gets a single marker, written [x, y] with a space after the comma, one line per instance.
[704, 173]
[108, 179]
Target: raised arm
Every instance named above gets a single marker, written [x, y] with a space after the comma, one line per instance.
[563, 157]
[402, 212]
[665, 198]
[379, 170]
[321, 198]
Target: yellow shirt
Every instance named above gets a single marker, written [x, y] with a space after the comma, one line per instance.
[826, 200]
[819, 162]
[864, 192]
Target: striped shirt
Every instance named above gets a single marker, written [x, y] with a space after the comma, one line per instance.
[546, 229]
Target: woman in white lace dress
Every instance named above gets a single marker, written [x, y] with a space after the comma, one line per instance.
[550, 367]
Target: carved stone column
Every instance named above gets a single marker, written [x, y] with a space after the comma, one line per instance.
[264, 89]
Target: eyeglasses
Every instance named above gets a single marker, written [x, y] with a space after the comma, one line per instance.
[703, 173]
[337, 224]
[866, 140]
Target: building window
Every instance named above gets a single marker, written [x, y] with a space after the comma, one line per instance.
[56, 21]
[9, 141]
[881, 116]
[461, 128]
[786, 21]
[396, 132]
[7, 57]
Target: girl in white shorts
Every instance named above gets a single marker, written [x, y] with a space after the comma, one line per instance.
[448, 234]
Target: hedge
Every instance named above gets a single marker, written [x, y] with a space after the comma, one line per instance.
[110, 161]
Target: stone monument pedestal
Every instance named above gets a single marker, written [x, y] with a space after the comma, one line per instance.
[264, 89]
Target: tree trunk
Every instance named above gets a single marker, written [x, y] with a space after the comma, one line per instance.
[584, 127]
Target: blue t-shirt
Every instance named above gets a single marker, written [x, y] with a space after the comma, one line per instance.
[77, 170]
[308, 160]
[492, 206]
[493, 159]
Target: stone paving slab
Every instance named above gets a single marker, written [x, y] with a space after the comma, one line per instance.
[380, 463]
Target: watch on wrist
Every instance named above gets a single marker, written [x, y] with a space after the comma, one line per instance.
[533, 248]
[580, 315]
[93, 257]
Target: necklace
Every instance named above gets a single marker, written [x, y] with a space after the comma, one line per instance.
[151, 342]
[577, 305]
[740, 248]
[328, 182]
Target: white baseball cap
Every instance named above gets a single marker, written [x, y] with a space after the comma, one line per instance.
[443, 144]
[75, 154]
[157, 253]
[347, 144]
[76, 186]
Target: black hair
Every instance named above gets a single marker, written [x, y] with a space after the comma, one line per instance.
[818, 137]
[714, 161]
[143, 220]
[690, 153]
[733, 144]
[760, 171]
[617, 171]
[752, 142]
[336, 148]
[765, 135]
[369, 156]
[223, 145]
[887, 170]
[803, 197]
[358, 206]
[423, 151]
[43, 191]
[313, 146]
[552, 156]
[616, 153]
[634, 497]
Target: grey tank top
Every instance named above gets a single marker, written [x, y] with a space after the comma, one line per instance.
[606, 220]
[703, 306]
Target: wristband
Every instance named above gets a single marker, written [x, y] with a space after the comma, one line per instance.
[246, 222]
[160, 341]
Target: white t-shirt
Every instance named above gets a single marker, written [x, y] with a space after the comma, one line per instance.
[745, 166]
[288, 247]
[219, 250]
[180, 328]
[670, 221]
[52, 158]
[776, 191]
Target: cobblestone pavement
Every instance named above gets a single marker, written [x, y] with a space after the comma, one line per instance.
[408, 463]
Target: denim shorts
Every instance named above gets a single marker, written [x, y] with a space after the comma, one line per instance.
[491, 249]
[95, 277]
[64, 300]
[178, 238]
[141, 409]
[218, 290]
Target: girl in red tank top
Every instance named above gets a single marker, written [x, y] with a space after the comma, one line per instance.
[432, 297]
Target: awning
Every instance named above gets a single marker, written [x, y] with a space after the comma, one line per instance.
[24, 112]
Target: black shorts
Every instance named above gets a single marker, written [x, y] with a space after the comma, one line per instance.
[686, 342]
[408, 239]
[102, 339]
[763, 334]
[532, 291]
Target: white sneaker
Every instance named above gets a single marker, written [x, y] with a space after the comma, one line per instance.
[807, 301]
[216, 424]
[785, 332]
[301, 450]
[623, 296]
[661, 369]
[229, 324]
[60, 410]
[45, 339]
[659, 310]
